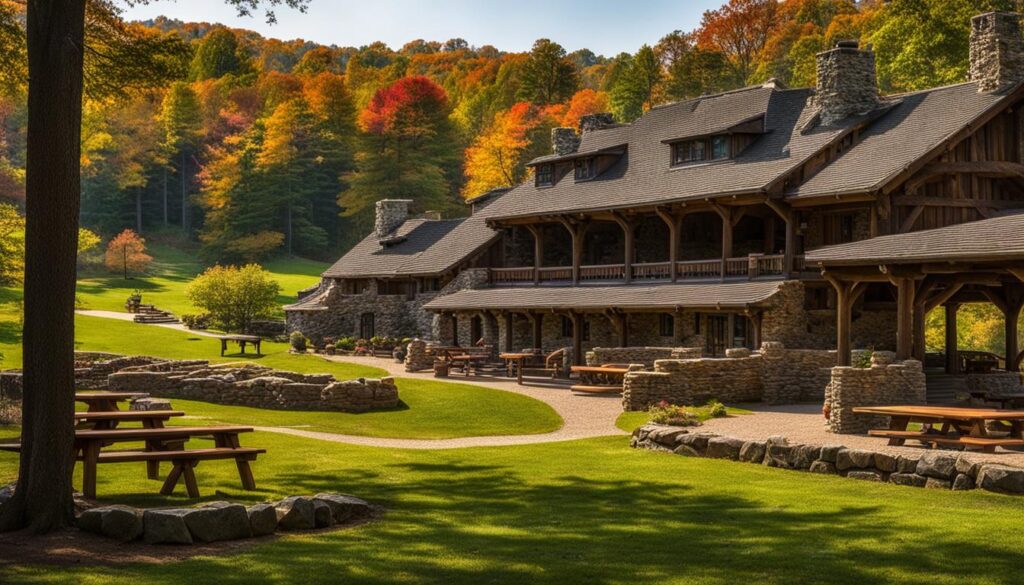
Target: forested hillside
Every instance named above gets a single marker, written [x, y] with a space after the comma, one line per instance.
[255, 146]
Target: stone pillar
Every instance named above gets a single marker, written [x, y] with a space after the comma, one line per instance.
[564, 141]
[390, 213]
[847, 84]
[997, 51]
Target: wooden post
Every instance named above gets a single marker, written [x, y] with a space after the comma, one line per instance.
[904, 318]
[920, 312]
[675, 224]
[577, 230]
[509, 323]
[538, 330]
[1012, 318]
[628, 235]
[846, 295]
[538, 251]
[755, 321]
[952, 353]
[726, 239]
[790, 217]
[577, 338]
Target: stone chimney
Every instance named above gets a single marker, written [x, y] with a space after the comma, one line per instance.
[564, 141]
[391, 213]
[592, 122]
[847, 84]
[997, 51]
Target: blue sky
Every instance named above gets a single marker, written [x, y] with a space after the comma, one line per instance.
[604, 26]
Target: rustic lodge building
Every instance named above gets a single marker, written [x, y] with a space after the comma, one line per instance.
[826, 218]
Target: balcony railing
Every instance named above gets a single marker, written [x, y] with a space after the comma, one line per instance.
[753, 266]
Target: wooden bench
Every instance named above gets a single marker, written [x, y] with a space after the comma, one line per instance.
[467, 359]
[965, 427]
[106, 401]
[185, 461]
[241, 340]
[946, 439]
[150, 419]
[596, 389]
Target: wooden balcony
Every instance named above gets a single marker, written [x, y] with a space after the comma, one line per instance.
[747, 267]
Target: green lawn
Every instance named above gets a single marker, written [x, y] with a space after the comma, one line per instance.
[585, 512]
[172, 269]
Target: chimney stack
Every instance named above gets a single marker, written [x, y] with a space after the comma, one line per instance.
[391, 213]
[564, 141]
[847, 84]
[997, 51]
[598, 121]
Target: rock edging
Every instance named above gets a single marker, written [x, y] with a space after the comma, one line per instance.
[932, 469]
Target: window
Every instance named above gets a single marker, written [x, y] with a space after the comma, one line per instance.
[566, 327]
[545, 175]
[366, 326]
[839, 228]
[719, 147]
[696, 323]
[689, 151]
[430, 285]
[584, 169]
[816, 298]
[666, 325]
[355, 286]
[739, 331]
[393, 287]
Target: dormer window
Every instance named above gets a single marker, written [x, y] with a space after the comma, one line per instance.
[700, 150]
[584, 169]
[545, 175]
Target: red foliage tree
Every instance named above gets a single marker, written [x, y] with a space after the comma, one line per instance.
[739, 29]
[405, 108]
[127, 251]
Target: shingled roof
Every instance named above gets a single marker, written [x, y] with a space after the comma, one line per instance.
[998, 238]
[424, 247]
[661, 296]
[643, 174]
[920, 123]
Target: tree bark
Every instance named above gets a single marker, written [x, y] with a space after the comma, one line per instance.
[42, 499]
[184, 193]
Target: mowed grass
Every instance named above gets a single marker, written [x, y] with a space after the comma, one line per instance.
[171, 271]
[585, 512]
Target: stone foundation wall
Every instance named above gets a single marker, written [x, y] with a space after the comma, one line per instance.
[639, 355]
[884, 383]
[931, 469]
[994, 383]
[775, 375]
[257, 386]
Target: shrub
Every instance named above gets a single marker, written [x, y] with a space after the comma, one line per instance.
[234, 296]
[10, 412]
[200, 321]
[715, 409]
[346, 344]
[669, 414]
[297, 341]
[864, 359]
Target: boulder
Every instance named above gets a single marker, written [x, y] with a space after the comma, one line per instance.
[906, 464]
[150, 404]
[938, 484]
[322, 517]
[344, 507]
[830, 452]
[937, 465]
[802, 456]
[724, 448]
[965, 466]
[866, 475]
[823, 467]
[295, 513]
[854, 459]
[778, 454]
[219, 521]
[686, 451]
[262, 519]
[698, 443]
[885, 462]
[963, 482]
[911, 479]
[166, 526]
[753, 451]
[1001, 478]
[122, 523]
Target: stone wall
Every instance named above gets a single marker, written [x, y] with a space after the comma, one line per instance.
[257, 386]
[884, 383]
[997, 51]
[795, 375]
[929, 469]
[390, 213]
[994, 383]
[847, 84]
[787, 320]
[639, 355]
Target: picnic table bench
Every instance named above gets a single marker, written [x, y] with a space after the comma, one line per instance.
[161, 444]
[150, 419]
[1005, 400]
[241, 340]
[106, 401]
[605, 379]
[963, 427]
[467, 358]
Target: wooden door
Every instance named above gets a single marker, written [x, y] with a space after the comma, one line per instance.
[717, 335]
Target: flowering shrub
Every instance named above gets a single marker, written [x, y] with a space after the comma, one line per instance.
[669, 414]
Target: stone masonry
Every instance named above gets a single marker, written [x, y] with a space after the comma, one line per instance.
[391, 213]
[997, 51]
[847, 84]
[639, 355]
[886, 382]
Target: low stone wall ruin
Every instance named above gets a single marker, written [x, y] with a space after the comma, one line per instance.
[775, 375]
[639, 355]
[886, 382]
[257, 386]
[931, 469]
[994, 383]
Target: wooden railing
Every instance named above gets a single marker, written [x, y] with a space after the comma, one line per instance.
[602, 272]
[554, 273]
[511, 275]
[696, 269]
[652, 271]
[773, 265]
[737, 266]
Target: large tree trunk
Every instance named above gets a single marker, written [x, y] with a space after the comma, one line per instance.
[184, 193]
[42, 500]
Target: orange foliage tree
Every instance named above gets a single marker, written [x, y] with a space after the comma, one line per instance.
[496, 157]
[583, 103]
[739, 29]
[127, 251]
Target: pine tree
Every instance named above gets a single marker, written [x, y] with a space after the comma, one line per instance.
[548, 76]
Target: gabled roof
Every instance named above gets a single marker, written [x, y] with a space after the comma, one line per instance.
[998, 238]
[735, 295]
[902, 137]
[424, 247]
[643, 174]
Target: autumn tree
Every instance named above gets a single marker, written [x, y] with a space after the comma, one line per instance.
[12, 245]
[497, 157]
[739, 29]
[126, 252]
[548, 76]
[234, 296]
[692, 70]
[407, 149]
[316, 61]
[583, 103]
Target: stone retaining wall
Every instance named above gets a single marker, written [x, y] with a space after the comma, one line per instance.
[994, 383]
[775, 375]
[884, 383]
[932, 469]
[639, 355]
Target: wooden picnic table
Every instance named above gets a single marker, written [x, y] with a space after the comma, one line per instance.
[1004, 400]
[150, 419]
[599, 379]
[106, 401]
[516, 361]
[964, 427]
[241, 340]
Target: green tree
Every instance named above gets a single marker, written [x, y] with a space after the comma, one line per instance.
[217, 55]
[183, 126]
[548, 76]
[636, 90]
[234, 296]
[12, 245]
